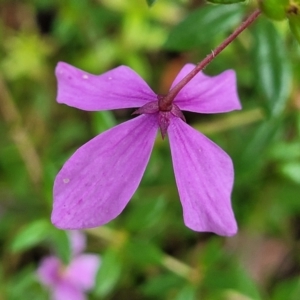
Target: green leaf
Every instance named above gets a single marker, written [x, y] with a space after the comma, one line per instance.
[272, 67]
[187, 293]
[150, 2]
[294, 22]
[231, 277]
[274, 9]
[160, 285]
[225, 1]
[103, 120]
[202, 25]
[252, 157]
[62, 244]
[288, 289]
[31, 235]
[292, 170]
[108, 274]
[144, 253]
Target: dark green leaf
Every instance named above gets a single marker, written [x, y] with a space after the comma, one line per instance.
[294, 22]
[159, 285]
[150, 2]
[272, 66]
[203, 25]
[225, 1]
[144, 253]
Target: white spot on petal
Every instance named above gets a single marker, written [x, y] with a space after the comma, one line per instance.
[109, 78]
[85, 76]
[66, 180]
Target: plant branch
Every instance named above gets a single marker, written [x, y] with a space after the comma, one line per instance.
[168, 99]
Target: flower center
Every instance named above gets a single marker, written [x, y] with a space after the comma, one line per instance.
[165, 113]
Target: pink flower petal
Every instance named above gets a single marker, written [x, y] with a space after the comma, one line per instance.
[204, 177]
[119, 88]
[77, 242]
[48, 270]
[82, 271]
[96, 183]
[66, 291]
[205, 94]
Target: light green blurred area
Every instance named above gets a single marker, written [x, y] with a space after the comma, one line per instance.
[147, 252]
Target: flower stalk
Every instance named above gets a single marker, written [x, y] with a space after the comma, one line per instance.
[165, 103]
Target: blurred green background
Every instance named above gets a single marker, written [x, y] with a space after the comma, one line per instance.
[147, 252]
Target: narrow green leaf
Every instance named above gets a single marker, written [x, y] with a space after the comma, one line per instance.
[294, 22]
[150, 2]
[108, 274]
[225, 1]
[272, 66]
[62, 245]
[202, 25]
[31, 235]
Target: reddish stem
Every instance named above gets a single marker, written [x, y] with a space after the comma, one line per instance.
[166, 102]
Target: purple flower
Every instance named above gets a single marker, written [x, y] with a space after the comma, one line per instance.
[97, 182]
[72, 281]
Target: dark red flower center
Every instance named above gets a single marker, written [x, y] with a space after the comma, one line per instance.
[165, 113]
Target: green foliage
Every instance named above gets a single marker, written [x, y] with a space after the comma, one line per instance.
[203, 24]
[147, 252]
[30, 236]
[225, 1]
[150, 2]
[109, 273]
[272, 67]
[274, 9]
[294, 22]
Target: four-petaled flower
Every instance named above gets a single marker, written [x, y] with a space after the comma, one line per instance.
[97, 182]
[71, 281]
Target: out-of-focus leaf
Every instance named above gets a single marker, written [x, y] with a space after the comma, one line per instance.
[150, 2]
[294, 22]
[225, 1]
[251, 156]
[292, 170]
[31, 235]
[271, 66]
[24, 286]
[202, 25]
[160, 285]
[288, 289]
[187, 293]
[144, 253]
[61, 244]
[103, 120]
[274, 9]
[146, 214]
[108, 274]
[231, 277]
[285, 151]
